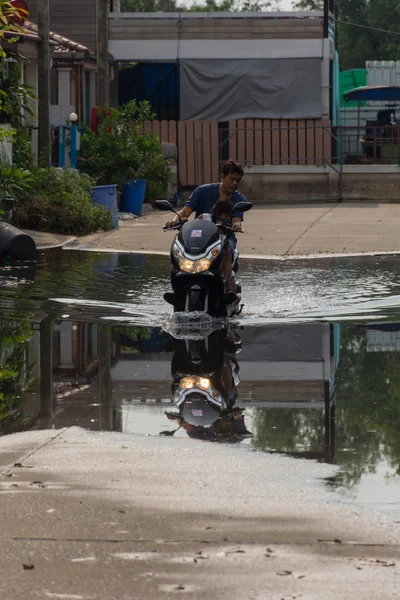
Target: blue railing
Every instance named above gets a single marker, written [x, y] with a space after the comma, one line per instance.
[72, 134]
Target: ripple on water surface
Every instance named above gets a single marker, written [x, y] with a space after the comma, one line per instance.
[133, 285]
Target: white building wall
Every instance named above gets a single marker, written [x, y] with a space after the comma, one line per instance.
[172, 50]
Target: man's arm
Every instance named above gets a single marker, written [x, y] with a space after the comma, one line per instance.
[184, 213]
[237, 217]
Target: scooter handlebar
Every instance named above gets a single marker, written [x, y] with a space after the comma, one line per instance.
[224, 227]
[230, 229]
[165, 228]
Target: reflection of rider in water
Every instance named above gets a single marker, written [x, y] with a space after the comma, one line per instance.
[204, 388]
[202, 419]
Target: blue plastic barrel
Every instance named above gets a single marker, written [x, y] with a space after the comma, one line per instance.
[133, 196]
[106, 195]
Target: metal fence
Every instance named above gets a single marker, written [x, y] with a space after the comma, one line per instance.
[203, 145]
[277, 142]
[370, 144]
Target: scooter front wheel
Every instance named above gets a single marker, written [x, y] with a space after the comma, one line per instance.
[196, 300]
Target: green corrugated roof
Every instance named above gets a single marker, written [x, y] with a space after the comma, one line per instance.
[349, 80]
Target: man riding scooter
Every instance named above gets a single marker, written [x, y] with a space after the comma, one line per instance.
[204, 199]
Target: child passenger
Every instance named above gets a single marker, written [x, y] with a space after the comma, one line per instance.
[220, 212]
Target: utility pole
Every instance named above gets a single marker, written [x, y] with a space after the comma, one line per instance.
[44, 137]
[103, 83]
[326, 18]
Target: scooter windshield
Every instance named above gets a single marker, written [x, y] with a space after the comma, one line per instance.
[197, 235]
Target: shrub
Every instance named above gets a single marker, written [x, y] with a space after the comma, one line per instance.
[157, 174]
[122, 150]
[22, 151]
[14, 182]
[60, 201]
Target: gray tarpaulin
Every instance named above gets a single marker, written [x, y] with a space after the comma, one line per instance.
[215, 89]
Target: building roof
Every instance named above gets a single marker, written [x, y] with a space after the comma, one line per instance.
[27, 35]
[60, 43]
[219, 15]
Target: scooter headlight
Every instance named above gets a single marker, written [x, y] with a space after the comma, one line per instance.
[194, 266]
[203, 383]
[188, 383]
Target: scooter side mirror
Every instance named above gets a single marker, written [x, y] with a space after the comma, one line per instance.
[164, 205]
[242, 207]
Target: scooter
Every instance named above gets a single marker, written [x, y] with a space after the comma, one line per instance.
[196, 256]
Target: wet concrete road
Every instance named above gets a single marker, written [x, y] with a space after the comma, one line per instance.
[276, 229]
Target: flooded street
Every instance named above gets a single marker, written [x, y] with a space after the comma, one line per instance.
[314, 361]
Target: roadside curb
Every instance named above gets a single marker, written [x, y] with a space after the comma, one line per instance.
[57, 245]
[274, 257]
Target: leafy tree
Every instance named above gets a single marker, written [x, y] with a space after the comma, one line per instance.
[211, 6]
[206, 6]
[149, 6]
[288, 430]
[367, 414]
[9, 16]
[310, 5]
[357, 39]
[14, 96]
[368, 407]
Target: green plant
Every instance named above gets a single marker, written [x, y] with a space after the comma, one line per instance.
[21, 150]
[156, 173]
[14, 182]
[6, 136]
[14, 96]
[122, 150]
[14, 336]
[60, 201]
[8, 13]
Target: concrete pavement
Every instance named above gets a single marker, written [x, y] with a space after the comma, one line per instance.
[277, 231]
[49, 240]
[106, 516]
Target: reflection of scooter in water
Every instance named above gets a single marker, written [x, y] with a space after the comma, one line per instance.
[204, 388]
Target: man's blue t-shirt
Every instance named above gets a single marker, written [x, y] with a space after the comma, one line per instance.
[205, 196]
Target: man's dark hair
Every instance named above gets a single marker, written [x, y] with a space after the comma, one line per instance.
[221, 207]
[230, 166]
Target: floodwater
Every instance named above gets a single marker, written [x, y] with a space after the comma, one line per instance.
[86, 339]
